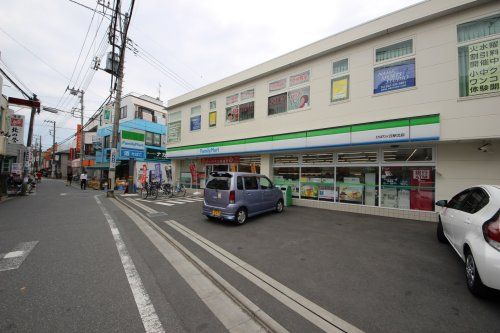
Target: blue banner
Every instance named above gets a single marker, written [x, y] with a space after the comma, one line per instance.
[195, 123]
[132, 153]
[394, 77]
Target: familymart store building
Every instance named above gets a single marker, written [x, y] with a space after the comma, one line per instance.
[384, 168]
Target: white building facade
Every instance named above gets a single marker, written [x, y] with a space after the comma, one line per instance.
[384, 118]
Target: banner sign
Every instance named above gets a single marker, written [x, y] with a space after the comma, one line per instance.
[112, 158]
[16, 130]
[221, 160]
[394, 77]
[232, 99]
[16, 168]
[298, 98]
[174, 131]
[212, 119]
[132, 144]
[484, 67]
[247, 94]
[192, 169]
[156, 154]
[195, 123]
[299, 78]
[232, 114]
[277, 85]
[158, 172]
[276, 104]
[340, 89]
[78, 136]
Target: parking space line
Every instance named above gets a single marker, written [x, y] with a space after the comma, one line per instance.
[146, 308]
[14, 258]
[314, 313]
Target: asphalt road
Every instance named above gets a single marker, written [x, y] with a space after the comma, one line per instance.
[379, 274]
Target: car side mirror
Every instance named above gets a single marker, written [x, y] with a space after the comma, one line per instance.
[442, 203]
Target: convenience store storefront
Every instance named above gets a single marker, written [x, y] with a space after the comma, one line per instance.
[388, 164]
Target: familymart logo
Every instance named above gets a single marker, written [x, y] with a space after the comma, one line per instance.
[211, 150]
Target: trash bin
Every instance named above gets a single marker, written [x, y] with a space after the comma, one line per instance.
[287, 195]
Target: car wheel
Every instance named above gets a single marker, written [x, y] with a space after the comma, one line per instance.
[279, 206]
[241, 216]
[440, 233]
[472, 277]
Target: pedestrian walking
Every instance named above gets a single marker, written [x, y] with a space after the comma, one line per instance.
[83, 180]
[69, 178]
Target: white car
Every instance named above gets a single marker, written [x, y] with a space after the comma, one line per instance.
[470, 223]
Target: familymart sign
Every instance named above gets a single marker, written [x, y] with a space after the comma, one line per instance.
[399, 130]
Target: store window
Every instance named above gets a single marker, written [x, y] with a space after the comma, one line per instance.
[408, 187]
[317, 183]
[288, 176]
[195, 119]
[340, 81]
[123, 112]
[145, 114]
[240, 106]
[286, 159]
[212, 115]
[398, 69]
[174, 127]
[479, 56]
[408, 155]
[358, 185]
[357, 157]
[295, 96]
[249, 164]
[317, 158]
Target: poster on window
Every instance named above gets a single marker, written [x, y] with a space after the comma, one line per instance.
[340, 89]
[232, 99]
[422, 189]
[277, 85]
[394, 77]
[298, 98]
[484, 67]
[232, 114]
[276, 104]
[299, 78]
[174, 131]
[212, 119]
[195, 123]
[247, 94]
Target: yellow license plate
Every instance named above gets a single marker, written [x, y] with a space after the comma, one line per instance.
[216, 213]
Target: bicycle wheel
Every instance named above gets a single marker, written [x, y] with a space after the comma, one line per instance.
[183, 191]
[144, 192]
[154, 192]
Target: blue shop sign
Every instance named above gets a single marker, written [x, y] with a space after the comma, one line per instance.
[195, 123]
[132, 153]
[396, 76]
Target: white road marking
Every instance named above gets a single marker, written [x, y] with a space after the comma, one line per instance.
[314, 313]
[64, 194]
[185, 200]
[164, 203]
[138, 204]
[129, 195]
[15, 258]
[229, 313]
[146, 308]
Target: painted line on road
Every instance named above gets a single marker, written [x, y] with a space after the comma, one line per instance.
[138, 204]
[314, 313]
[236, 312]
[186, 200]
[164, 203]
[146, 308]
[14, 259]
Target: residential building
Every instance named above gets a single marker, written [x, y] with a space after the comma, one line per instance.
[383, 118]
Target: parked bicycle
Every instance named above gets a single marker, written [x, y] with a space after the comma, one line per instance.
[149, 190]
[167, 190]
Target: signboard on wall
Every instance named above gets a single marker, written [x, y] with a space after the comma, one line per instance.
[195, 123]
[174, 131]
[16, 130]
[393, 77]
[156, 154]
[340, 89]
[484, 67]
[132, 144]
[212, 119]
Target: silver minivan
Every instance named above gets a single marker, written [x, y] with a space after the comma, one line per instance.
[235, 196]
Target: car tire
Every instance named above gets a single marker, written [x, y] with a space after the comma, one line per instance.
[241, 216]
[472, 278]
[440, 233]
[279, 206]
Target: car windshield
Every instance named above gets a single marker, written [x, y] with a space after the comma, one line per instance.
[219, 183]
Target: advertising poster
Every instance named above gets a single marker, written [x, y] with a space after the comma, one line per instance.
[484, 67]
[174, 131]
[195, 123]
[309, 191]
[299, 78]
[232, 114]
[394, 77]
[16, 130]
[107, 114]
[277, 85]
[247, 94]
[232, 99]
[246, 111]
[277, 104]
[298, 98]
[158, 172]
[351, 190]
[212, 119]
[422, 189]
[340, 89]
[192, 170]
[78, 136]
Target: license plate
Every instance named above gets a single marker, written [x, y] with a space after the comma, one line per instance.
[216, 213]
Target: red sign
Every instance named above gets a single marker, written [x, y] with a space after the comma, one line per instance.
[24, 102]
[144, 173]
[221, 160]
[78, 136]
[192, 168]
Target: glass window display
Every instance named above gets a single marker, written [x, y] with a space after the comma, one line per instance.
[358, 185]
[317, 183]
[284, 176]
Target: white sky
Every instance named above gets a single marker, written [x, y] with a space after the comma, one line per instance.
[200, 41]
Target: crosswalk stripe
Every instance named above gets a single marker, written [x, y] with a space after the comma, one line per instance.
[138, 204]
[186, 200]
[176, 202]
[164, 203]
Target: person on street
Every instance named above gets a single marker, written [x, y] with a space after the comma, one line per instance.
[39, 176]
[83, 180]
[69, 178]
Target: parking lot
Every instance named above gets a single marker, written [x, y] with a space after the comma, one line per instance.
[380, 274]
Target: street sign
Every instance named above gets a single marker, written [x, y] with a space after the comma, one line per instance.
[112, 159]
[24, 102]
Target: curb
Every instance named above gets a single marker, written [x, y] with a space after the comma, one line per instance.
[269, 324]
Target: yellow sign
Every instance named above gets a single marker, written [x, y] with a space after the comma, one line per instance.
[212, 119]
[339, 89]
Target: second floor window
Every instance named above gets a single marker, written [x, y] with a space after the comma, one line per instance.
[240, 106]
[153, 139]
[340, 81]
[145, 114]
[123, 112]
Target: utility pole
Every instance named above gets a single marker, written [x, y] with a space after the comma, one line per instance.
[119, 83]
[53, 164]
[80, 93]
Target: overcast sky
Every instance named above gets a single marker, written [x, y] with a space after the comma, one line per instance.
[196, 42]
